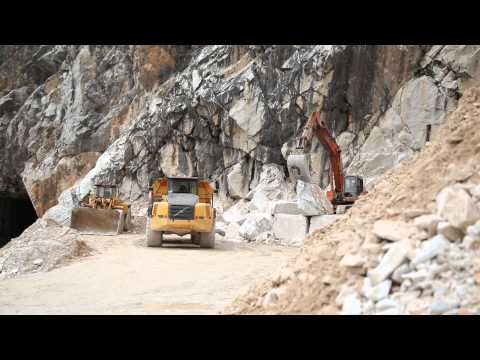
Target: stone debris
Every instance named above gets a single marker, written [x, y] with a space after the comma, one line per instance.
[320, 221]
[254, 224]
[377, 292]
[385, 304]
[312, 200]
[428, 223]
[352, 305]
[450, 232]
[352, 260]
[430, 249]
[290, 229]
[236, 213]
[394, 230]
[390, 261]
[42, 247]
[286, 207]
[458, 207]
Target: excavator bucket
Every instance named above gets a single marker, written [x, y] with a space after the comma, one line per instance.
[299, 167]
[97, 221]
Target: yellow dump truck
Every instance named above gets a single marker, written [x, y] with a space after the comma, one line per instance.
[181, 206]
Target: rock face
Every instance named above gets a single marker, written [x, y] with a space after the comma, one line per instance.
[74, 115]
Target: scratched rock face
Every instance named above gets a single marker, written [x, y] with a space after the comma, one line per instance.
[73, 115]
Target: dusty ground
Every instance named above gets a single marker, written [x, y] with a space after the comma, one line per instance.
[125, 277]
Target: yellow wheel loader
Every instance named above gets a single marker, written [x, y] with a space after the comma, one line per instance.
[181, 206]
[102, 212]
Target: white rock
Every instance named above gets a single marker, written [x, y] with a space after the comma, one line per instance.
[237, 183]
[255, 224]
[196, 79]
[290, 229]
[443, 304]
[286, 207]
[327, 280]
[385, 304]
[416, 276]
[471, 242]
[368, 307]
[378, 292]
[450, 232]
[312, 199]
[475, 191]
[232, 232]
[352, 305]
[456, 206]
[430, 249]
[38, 262]
[390, 311]
[352, 260]
[260, 202]
[397, 274]
[236, 213]
[394, 230]
[474, 230]
[390, 261]
[428, 223]
[248, 114]
[345, 290]
[317, 222]
[273, 296]
[266, 237]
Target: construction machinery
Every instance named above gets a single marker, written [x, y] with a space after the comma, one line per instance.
[345, 190]
[181, 206]
[102, 212]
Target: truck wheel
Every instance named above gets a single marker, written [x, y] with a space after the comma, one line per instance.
[207, 240]
[195, 237]
[128, 221]
[154, 238]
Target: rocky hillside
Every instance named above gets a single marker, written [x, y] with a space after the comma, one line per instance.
[410, 246]
[70, 115]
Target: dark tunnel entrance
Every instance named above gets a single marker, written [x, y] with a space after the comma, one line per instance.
[16, 214]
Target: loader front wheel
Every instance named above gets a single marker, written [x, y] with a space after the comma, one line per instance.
[154, 238]
[128, 221]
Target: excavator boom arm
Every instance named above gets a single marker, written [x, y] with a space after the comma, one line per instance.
[316, 127]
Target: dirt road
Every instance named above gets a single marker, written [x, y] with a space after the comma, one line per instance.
[125, 277]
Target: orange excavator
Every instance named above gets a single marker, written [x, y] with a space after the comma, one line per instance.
[345, 190]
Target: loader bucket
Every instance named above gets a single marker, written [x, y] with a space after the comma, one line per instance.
[299, 167]
[97, 221]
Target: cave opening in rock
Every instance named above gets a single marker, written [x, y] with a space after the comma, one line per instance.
[16, 214]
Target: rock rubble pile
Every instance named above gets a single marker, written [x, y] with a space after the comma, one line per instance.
[277, 211]
[42, 247]
[410, 246]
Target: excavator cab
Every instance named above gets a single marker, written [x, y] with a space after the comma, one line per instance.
[353, 186]
[106, 191]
